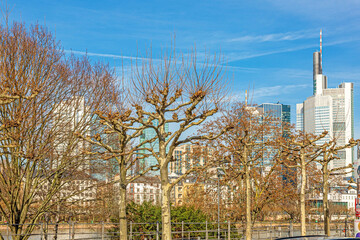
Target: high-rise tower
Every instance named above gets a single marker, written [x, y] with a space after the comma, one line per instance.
[319, 80]
[329, 109]
[150, 159]
[280, 115]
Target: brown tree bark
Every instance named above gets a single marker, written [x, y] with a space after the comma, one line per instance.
[326, 201]
[165, 203]
[248, 232]
[302, 193]
[122, 205]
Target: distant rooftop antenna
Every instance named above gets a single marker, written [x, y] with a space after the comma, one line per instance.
[321, 49]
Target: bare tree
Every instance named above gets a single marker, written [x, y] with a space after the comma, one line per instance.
[329, 151]
[252, 165]
[181, 92]
[6, 97]
[54, 96]
[289, 199]
[299, 151]
[115, 141]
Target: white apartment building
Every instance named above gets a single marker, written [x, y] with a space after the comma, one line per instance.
[347, 197]
[329, 109]
[343, 197]
[145, 188]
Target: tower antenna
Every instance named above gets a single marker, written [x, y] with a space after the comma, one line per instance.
[321, 49]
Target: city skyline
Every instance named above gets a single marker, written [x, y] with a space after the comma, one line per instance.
[267, 45]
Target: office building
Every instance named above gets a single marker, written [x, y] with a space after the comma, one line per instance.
[329, 109]
[280, 119]
[279, 112]
[149, 160]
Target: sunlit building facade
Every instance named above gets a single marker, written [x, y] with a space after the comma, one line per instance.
[328, 109]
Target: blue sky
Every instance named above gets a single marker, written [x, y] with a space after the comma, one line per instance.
[268, 44]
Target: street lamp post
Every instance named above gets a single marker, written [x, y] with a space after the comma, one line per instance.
[218, 216]
[220, 172]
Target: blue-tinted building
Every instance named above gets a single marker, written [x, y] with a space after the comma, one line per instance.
[149, 160]
[280, 115]
[277, 111]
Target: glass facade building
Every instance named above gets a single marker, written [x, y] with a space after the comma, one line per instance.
[280, 115]
[149, 160]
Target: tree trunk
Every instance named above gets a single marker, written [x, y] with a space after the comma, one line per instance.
[325, 200]
[302, 193]
[165, 203]
[16, 232]
[122, 211]
[248, 230]
[56, 229]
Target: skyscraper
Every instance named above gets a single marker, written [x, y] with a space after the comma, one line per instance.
[277, 111]
[150, 160]
[280, 115]
[329, 109]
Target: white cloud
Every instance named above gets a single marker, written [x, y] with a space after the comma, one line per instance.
[258, 93]
[240, 56]
[236, 56]
[275, 37]
[277, 90]
[114, 56]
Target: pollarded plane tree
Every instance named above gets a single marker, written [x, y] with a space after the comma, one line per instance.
[180, 92]
[273, 183]
[329, 153]
[271, 189]
[116, 141]
[290, 202]
[249, 143]
[299, 151]
[40, 152]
